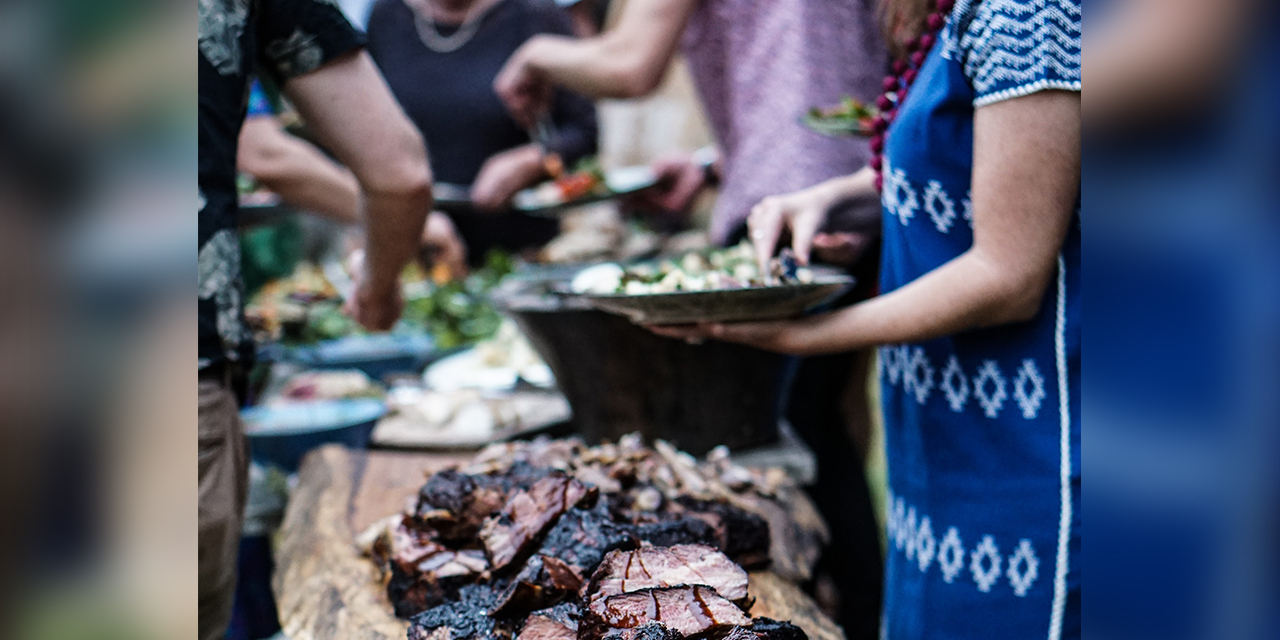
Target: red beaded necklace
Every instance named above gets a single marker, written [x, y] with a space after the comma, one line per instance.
[905, 71]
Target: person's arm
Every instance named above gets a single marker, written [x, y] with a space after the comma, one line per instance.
[297, 171]
[1026, 181]
[626, 61]
[349, 108]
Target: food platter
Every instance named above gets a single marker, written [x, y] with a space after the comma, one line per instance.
[545, 200]
[836, 127]
[849, 117]
[725, 305]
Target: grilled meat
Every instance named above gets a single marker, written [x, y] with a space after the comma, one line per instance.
[465, 618]
[689, 610]
[527, 515]
[654, 567]
[556, 623]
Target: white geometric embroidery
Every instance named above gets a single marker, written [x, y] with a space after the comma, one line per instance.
[934, 197]
[1021, 580]
[892, 363]
[955, 385]
[911, 533]
[950, 555]
[991, 402]
[966, 209]
[925, 544]
[985, 577]
[1013, 45]
[917, 376]
[1030, 402]
[900, 530]
[898, 196]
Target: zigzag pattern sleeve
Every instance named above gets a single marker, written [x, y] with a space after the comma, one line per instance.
[1013, 48]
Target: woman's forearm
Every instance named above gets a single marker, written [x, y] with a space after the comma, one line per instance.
[968, 292]
[627, 61]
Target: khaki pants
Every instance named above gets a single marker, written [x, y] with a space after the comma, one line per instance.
[224, 481]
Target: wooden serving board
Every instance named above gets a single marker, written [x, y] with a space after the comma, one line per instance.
[324, 588]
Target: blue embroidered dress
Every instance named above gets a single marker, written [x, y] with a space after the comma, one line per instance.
[983, 427]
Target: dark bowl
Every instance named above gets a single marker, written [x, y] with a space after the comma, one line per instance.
[620, 377]
[281, 435]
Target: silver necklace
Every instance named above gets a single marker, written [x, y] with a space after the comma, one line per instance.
[430, 35]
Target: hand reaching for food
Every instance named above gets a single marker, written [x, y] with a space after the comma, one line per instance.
[526, 94]
[803, 213]
[503, 174]
[445, 252]
[679, 181]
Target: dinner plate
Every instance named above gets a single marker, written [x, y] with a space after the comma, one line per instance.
[724, 305]
[618, 182]
[835, 127]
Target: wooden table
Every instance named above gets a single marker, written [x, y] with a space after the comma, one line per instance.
[325, 590]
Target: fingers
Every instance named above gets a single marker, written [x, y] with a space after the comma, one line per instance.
[802, 239]
[841, 248]
[691, 333]
[765, 225]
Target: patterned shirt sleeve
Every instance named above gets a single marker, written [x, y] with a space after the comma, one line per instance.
[300, 36]
[1013, 48]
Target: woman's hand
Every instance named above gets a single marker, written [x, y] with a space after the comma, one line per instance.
[784, 336]
[503, 174]
[443, 247]
[526, 93]
[802, 212]
[679, 181]
[842, 248]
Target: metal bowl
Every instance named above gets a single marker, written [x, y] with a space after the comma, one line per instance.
[724, 305]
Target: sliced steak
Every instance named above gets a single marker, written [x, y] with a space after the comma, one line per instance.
[557, 623]
[527, 515]
[462, 619]
[741, 535]
[689, 610]
[680, 530]
[582, 537]
[770, 629]
[647, 631]
[456, 504]
[433, 580]
[653, 567]
[544, 581]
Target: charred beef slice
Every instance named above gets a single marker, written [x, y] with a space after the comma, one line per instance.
[770, 629]
[647, 631]
[676, 530]
[424, 573]
[652, 567]
[527, 515]
[571, 550]
[465, 618]
[542, 582]
[456, 504]
[557, 623]
[582, 537]
[689, 610]
[433, 580]
[743, 536]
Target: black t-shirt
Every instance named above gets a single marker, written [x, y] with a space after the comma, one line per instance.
[450, 96]
[283, 38]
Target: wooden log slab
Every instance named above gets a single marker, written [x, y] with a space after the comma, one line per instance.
[325, 589]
